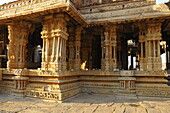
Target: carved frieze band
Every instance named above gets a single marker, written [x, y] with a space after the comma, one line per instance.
[39, 94]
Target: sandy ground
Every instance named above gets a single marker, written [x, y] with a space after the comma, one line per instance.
[84, 104]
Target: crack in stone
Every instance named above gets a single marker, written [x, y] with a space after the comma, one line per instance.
[110, 105]
[96, 109]
[124, 110]
[146, 110]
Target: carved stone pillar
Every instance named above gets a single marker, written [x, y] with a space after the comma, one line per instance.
[45, 35]
[153, 38]
[105, 49]
[119, 49]
[113, 47]
[54, 35]
[18, 39]
[71, 48]
[142, 36]
[103, 52]
[109, 48]
[77, 45]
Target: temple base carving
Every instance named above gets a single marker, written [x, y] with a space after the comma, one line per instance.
[63, 85]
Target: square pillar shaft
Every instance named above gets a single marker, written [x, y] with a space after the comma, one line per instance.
[18, 39]
[54, 35]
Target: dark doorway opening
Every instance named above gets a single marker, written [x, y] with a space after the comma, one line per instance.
[130, 54]
[128, 47]
[91, 51]
[34, 47]
[96, 52]
[3, 46]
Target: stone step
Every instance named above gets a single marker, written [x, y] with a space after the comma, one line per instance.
[168, 78]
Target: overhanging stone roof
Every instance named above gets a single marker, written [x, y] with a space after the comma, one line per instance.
[121, 13]
[37, 8]
[113, 14]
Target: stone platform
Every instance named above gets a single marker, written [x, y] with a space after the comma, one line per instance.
[84, 104]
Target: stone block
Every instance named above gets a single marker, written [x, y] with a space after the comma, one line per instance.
[126, 73]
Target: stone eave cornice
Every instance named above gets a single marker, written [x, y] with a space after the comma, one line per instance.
[134, 18]
[122, 4]
[128, 15]
[109, 7]
[72, 11]
[24, 8]
[28, 9]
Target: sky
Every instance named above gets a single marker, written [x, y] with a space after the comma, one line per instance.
[6, 1]
[161, 1]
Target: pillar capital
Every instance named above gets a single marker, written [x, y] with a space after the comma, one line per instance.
[106, 27]
[78, 32]
[154, 30]
[142, 31]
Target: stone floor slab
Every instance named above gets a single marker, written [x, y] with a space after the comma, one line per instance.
[83, 104]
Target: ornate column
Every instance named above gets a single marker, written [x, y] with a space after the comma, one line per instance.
[109, 48]
[105, 48]
[18, 39]
[71, 48]
[45, 35]
[113, 47]
[54, 37]
[142, 35]
[119, 49]
[153, 39]
[25, 28]
[77, 45]
[103, 52]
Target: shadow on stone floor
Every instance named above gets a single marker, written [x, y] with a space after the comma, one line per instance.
[102, 99]
[86, 99]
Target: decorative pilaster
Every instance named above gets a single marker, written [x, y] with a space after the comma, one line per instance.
[153, 38]
[71, 48]
[77, 45]
[109, 48]
[119, 55]
[142, 36]
[18, 39]
[113, 47]
[45, 36]
[54, 37]
[105, 48]
[20, 82]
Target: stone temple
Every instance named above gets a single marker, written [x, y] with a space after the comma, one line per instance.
[57, 49]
